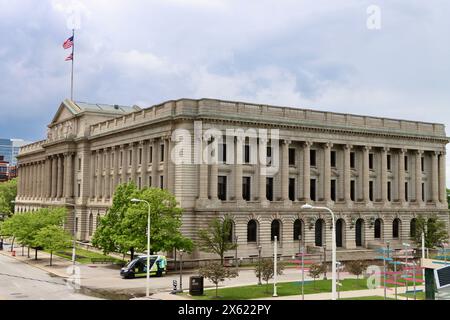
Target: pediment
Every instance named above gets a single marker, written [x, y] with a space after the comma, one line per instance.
[66, 110]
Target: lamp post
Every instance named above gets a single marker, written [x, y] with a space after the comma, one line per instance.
[181, 270]
[275, 273]
[147, 292]
[259, 265]
[333, 247]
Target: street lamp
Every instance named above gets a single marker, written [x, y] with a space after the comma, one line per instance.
[147, 292]
[181, 270]
[333, 247]
[259, 265]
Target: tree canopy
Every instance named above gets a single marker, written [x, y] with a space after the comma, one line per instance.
[124, 227]
[435, 231]
[52, 238]
[8, 192]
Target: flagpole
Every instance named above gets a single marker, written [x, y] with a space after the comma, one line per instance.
[71, 78]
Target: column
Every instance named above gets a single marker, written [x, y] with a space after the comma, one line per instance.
[203, 172]
[347, 170]
[124, 163]
[170, 166]
[442, 184]
[384, 179]
[144, 164]
[418, 176]
[262, 160]
[306, 171]
[285, 170]
[54, 175]
[401, 175]
[33, 180]
[166, 163]
[155, 163]
[327, 172]
[365, 179]
[434, 177]
[116, 168]
[134, 161]
[48, 183]
[99, 178]
[92, 174]
[213, 179]
[60, 176]
[41, 179]
[69, 174]
[107, 192]
[238, 168]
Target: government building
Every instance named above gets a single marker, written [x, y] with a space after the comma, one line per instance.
[376, 174]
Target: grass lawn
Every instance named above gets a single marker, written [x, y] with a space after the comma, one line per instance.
[283, 289]
[84, 256]
[419, 295]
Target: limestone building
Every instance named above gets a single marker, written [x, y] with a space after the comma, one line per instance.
[378, 175]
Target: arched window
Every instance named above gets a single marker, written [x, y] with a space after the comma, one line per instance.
[298, 226]
[359, 232]
[252, 229]
[339, 233]
[319, 232]
[396, 228]
[377, 229]
[412, 228]
[275, 230]
[230, 236]
[91, 224]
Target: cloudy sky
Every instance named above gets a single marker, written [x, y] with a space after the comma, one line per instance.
[315, 54]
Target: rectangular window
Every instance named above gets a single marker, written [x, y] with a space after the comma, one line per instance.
[291, 156]
[312, 158]
[130, 157]
[406, 163]
[333, 190]
[406, 191]
[246, 153]
[269, 189]
[352, 160]
[292, 189]
[121, 159]
[333, 159]
[246, 188]
[139, 182]
[422, 164]
[389, 162]
[161, 182]
[269, 156]
[112, 160]
[222, 153]
[371, 161]
[423, 191]
[150, 154]
[161, 158]
[140, 156]
[389, 190]
[150, 181]
[312, 189]
[79, 190]
[370, 190]
[79, 164]
[352, 190]
[222, 188]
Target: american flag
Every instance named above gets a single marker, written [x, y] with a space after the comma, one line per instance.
[68, 43]
[70, 57]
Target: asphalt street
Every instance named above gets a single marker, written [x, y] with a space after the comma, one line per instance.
[20, 281]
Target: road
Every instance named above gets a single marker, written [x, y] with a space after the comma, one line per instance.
[20, 281]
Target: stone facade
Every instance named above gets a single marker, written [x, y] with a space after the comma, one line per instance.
[376, 174]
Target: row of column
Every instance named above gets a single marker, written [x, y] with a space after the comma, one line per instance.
[49, 178]
[129, 163]
[438, 187]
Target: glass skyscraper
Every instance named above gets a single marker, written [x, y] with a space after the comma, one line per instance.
[9, 149]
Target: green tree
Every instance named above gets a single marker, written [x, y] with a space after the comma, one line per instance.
[356, 267]
[124, 228]
[435, 232]
[315, 270]
[52, 238]
[216, 238]
[266, 269]
[217, 273]
[8, 192]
